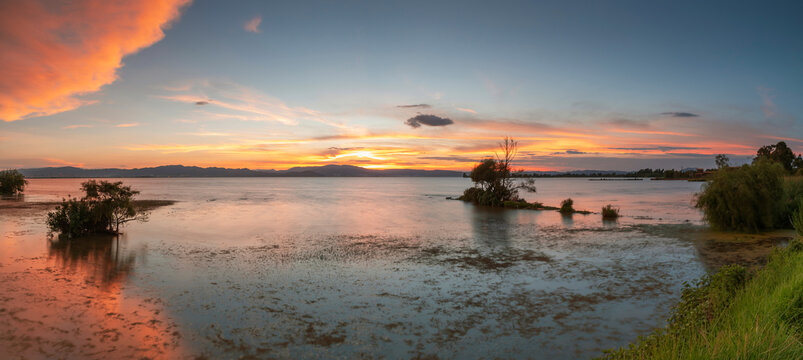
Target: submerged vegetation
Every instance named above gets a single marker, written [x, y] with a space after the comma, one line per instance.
[12, 182]
[609, 212]
[733, 315]
[104, 207]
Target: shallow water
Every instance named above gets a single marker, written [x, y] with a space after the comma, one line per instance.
[348, 267]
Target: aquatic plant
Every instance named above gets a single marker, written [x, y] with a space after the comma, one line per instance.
[732, 315]
[609, 212]
[105, 206]
[566, 206]
[746, 198]
[12, 182]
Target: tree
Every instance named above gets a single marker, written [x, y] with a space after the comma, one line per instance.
[745, 198]
[722, 161]
[104, 207]
[781, 154]
[12, 182]
[493, 178]
[112, 201]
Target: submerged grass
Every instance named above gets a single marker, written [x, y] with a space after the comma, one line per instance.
[732, 315]
[609, 212]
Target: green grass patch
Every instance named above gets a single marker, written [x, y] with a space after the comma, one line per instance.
[733, 315]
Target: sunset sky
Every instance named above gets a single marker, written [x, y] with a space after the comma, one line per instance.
[609, 85]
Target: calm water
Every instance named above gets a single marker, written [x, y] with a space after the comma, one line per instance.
[345, 268]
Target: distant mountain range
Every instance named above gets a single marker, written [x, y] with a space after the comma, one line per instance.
[194, 171]
[304, 171]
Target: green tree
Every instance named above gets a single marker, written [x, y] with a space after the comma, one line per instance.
[12, 182]
[104, 207]
[781, 154]
[112, 201]
[745, 198]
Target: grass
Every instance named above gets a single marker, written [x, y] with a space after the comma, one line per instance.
[732, 315]
[609, 212]
[797, 218]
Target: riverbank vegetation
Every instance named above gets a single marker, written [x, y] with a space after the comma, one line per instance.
[12, 182]
[759, 196]
[733, 314]
[103, 209]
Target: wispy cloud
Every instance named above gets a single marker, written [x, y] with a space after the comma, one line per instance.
[54, 161]
[57, 56]
[767, 103]
[246, 104]
[207, 133]
[418, 106]
[127, 125]
[661, 148]
[253, 24]
[76, 126]
[470, 111]
[569, 152]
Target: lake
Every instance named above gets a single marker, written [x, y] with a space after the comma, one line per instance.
[347, 268]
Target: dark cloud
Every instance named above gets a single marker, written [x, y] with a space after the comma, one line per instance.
[679, 114]
[419, 106]
[660, 148]
[428, 120]
[201, 102]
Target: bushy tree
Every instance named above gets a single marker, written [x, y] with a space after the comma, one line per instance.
[566, 206]
[112, 201]
[12, 182]
[493, 178]
[745, 198]
[104, 207]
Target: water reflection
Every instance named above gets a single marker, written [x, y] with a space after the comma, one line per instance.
[567, 220]
[98, 257]
[491, 226]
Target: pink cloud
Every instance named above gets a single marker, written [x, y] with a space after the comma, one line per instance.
[253, 24]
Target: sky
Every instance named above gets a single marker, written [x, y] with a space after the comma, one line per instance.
[604, 85]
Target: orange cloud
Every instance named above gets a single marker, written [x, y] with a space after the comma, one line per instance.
[53, 52]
